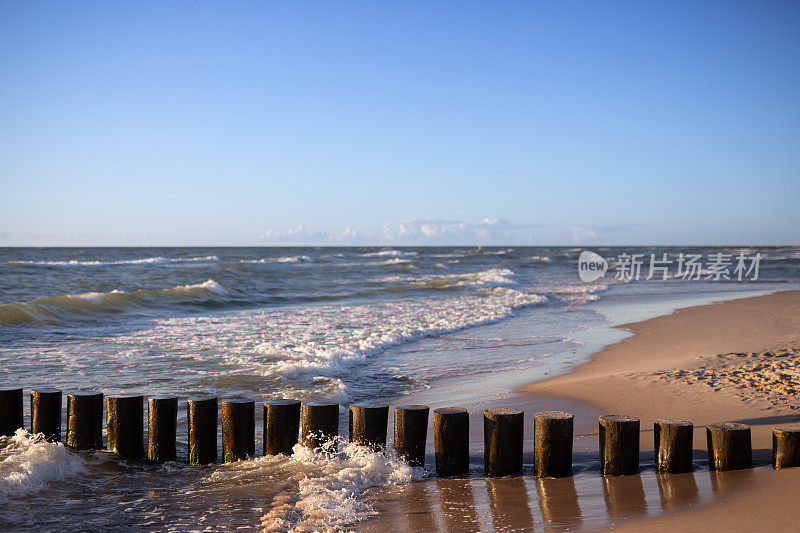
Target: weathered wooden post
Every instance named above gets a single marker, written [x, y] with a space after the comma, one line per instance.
[319, 425]
[238, 429]
[552, 443]
[46, 413]
[162, 422]
[125, 425]
[786, 446]
[451, 439]
[729, 446]
[619, 445]
[281, 426]
[368, 423]
[85, 420]
[411, 432]
[503, 429]
[10, 411]
[672, 446]
[202, 418]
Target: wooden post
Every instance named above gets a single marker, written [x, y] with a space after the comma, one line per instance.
[319, 425]
[238, 429]
[672, 446]
[729, 446]
[85, 420]
[552, 443]
[202, 417]
[281, 426]
[411, 432]
[451, 439]
[10, 411]
[502, 441]
[368, 423]
[46, 413]
[162, 421]
[619, 445]
[125, 425]
[786, 446]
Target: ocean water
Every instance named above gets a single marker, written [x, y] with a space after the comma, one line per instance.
[343, 324]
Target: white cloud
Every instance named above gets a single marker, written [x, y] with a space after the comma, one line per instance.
[592, 233]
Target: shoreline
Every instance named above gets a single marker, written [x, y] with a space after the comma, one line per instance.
[706, 364]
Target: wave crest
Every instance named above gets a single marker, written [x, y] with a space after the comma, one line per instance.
[71, 308]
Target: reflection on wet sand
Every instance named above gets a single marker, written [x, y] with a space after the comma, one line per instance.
[458, 505]
[677, 491]
[558, 503]
[722, 482]
[624, 496]
[508, 500]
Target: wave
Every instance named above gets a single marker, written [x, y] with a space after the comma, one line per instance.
[71, 308]
[291, 259]
[143, 261]
[390, 253]
[324, 341]
[318, 491]
[28, 463]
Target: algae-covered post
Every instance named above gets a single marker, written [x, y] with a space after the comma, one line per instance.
[162, 421]
[46, 413]
[552, 443]
[729, 446]
[125, 425]
[502, 438]
[619, 445]
[786, 446]
[85, 420]
[411, 432]
[281, 426]
[451, 439]
[238, 429]
[672, 446]
[202, 421]
[368, 424]
[319, 425]
[10, 411]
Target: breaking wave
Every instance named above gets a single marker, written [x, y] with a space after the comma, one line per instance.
[72, 308]
[144, 261]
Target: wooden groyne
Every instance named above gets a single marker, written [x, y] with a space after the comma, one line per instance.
[316, 425]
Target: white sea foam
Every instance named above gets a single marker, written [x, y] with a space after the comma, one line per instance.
[143, 261]
[28, 463]
[390, 253]
[319, 491]
[324, 340]
[290, 259]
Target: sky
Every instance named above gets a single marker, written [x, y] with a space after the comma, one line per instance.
[424, 123]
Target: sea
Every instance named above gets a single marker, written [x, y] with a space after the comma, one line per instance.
[461, 325]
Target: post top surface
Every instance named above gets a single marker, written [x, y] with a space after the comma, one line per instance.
[412, 407]
[10, 389]
[450, 410]
[501, 412]
[787, 428]
[155, 399]
[124, 397]
[671, 422]
[730, 426]
[82, 394]
[618, 418]
[237, 400]
[321, 404]
[201, 399]
[553, 415]
[46, 390]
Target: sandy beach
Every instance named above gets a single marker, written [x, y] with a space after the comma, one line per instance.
[730, 361]
[735, 360]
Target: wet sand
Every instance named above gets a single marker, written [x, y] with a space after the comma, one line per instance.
[734, 360]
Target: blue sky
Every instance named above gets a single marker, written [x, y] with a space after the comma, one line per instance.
[532, 122]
